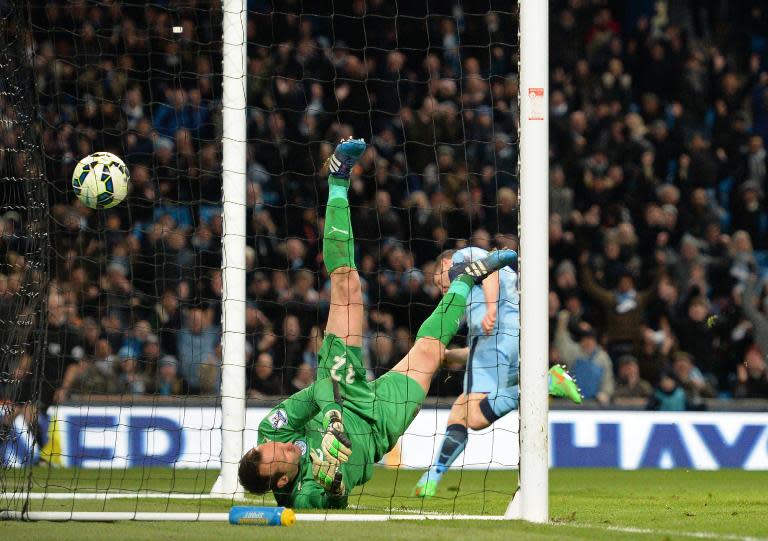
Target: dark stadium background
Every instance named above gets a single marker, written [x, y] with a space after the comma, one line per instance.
[658, 181]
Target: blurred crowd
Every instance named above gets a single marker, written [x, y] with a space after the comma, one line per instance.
[658, 225]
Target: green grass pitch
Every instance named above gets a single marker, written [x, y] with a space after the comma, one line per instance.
[584, 504]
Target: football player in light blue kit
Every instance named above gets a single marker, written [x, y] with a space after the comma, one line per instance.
[493, 345]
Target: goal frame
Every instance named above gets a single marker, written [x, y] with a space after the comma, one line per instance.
[531, 500]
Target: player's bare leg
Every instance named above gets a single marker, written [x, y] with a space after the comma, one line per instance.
[466, 411]
[345, 318]
[424, 359]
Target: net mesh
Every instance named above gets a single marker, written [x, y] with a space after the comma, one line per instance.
[23, 253]
[133, 363]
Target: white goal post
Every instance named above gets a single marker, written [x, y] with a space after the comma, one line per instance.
[531, 502]
[234, 82]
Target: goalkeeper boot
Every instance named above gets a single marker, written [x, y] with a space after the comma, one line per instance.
[345, 157]
[480, 270]
[562, 384]
[425, 488]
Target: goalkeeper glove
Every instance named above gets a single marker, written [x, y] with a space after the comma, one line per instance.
[336, 445]
[327, 474]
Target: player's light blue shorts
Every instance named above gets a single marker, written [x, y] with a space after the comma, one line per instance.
[492, 365]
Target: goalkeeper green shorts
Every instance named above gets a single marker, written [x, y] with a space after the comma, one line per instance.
[382, 409]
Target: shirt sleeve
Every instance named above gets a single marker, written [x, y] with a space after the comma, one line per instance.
[313, 496]
[287, 420]
[607, 384]
[469, 255]
[566, 345]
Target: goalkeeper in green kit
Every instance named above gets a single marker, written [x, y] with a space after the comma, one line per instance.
[321, 442]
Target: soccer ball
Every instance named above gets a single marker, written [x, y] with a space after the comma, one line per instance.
[100, 180]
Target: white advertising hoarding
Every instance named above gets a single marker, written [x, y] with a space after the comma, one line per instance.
[190, 437]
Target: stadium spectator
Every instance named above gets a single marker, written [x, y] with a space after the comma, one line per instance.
[382, 354]
[752, 376]
[304, 376]
[695, 337]
[166, 319]
[655, 351]
[691, 379]
[622, 307]
[130, 376]
[631, 389]
[196, 342]
[668, 396]
[91, 331]
[139, 336]
[160, 370]
[314, 341]
[104, 359]
[87, 379]
[289, 350]
[658, 133]
[586, 360]
[210, 373]
[259, 334]
[62, 351]
[754, 307]
[264, 381]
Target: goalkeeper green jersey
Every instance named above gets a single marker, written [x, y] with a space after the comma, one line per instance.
[299, 421]
[375, 414]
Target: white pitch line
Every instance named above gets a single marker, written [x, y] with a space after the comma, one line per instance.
[397, 510]
[101, 516]
[98, 496]
[653, 531]
[331, 517]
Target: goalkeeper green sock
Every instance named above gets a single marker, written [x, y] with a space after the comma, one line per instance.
[338, 243]
[444, 321]
[338, 181]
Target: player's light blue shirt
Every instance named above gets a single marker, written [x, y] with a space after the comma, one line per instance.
[508, 313]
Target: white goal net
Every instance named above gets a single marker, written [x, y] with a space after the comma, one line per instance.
[147, 342]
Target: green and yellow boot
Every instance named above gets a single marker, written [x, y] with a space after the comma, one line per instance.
[561, 384]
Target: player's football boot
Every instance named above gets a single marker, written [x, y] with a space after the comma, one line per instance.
[562, 384]
[345, 156]
[425, 488]
[480, 270]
